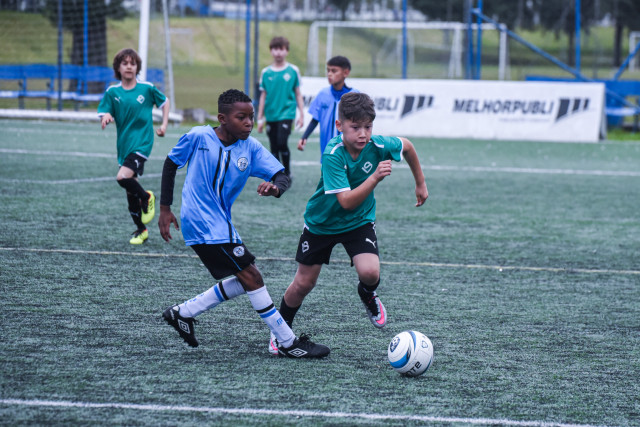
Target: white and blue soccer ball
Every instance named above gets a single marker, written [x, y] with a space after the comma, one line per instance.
[410, 353]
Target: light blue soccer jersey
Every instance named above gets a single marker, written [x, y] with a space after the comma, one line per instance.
[324, 108]
[215, 177]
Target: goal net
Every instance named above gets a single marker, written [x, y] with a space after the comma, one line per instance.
[375, 49]
[73, 39]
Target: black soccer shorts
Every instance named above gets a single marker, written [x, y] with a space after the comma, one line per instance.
[316, 249]
[135, 162]
[225, 259]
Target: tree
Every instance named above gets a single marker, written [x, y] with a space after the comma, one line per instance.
[454, 10]
[73, 20]
[626, 14]
[560, 17]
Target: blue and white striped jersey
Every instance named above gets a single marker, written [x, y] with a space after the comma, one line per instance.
[215, 177]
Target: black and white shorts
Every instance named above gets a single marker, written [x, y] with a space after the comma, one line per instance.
[226, 259]
[316, 249]
[135, 162]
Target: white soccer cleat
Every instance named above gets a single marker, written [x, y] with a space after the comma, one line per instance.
[273, 345]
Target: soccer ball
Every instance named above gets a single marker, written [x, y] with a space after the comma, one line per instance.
[410, 353]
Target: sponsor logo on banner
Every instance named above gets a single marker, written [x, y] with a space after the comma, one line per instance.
[415, 103]
[570, 106]
[503, 106]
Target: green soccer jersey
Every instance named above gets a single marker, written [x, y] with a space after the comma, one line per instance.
[131, 110]
[340, 172]
[280, 85]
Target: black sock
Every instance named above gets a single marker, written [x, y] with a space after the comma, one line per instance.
[366, 292]
[135, 211]
[288, 313]
[133, 186]
[286, 161]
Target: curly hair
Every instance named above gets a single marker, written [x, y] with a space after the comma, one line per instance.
[356, 106]
[230, 97]
[120, 56]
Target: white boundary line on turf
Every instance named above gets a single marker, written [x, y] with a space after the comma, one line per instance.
[288, 413]
[540, 171]
[499, 268]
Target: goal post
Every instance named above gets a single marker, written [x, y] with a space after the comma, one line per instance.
[634, 39]
[435, 49]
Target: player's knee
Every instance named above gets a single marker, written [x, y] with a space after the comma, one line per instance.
[370, 278]
[303, 287]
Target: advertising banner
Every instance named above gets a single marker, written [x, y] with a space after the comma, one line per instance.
[534, 111]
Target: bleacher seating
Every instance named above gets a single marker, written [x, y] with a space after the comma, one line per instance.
[45, 77]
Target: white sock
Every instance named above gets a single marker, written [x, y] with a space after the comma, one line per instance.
[262, 303]
[221, 292]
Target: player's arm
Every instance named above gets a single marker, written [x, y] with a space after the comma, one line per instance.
[279, 184]
[411, 156]
[303, 141]
[105, 120]
[351, 199]
[165, 117]
[166, 199]
[261, 119]
[300, 102]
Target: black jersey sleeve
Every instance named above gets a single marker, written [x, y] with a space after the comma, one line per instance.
[168, 182]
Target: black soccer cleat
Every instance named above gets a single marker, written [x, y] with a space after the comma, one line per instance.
[184, 325]
[303, 347]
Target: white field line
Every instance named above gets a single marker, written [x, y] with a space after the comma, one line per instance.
[500, 268]
[542, 171]
[286, 413]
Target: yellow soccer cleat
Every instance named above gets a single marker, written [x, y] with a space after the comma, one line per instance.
[139, 237]
[150, 211]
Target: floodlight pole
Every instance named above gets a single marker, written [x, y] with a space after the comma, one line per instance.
[60, 45]
[168, 56]
[247, 47]
[256, 51]
[404, 39]
[578, 41]
[85, 53]
[143, 37]
[479, 43]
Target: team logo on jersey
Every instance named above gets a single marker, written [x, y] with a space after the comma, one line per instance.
[238, 251]
[367, 167]
[242, 163]
[287, 77]
[140, 99]
[304, 246]
[394, 344]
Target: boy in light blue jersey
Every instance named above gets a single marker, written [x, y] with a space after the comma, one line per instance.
[129, 104]
[221, 160]
[343, 208]
[324, 107]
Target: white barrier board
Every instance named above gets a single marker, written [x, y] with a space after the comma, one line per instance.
[535, 111]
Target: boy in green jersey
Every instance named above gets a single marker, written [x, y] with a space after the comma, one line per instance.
[129, 104]
[343, 208]
[279, 96]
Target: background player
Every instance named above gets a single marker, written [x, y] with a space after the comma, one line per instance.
[280, 95]
[221, 160]
[130, 104]
[324, 107]
[343, 208]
